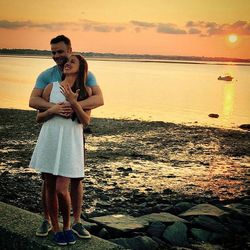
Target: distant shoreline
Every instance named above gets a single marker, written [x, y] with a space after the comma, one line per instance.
[136, 60]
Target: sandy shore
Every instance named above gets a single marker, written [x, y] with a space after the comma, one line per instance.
[132, 165]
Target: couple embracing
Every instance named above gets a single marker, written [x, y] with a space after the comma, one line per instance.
[64, 96]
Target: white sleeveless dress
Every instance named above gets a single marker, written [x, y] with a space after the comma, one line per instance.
[59, 149]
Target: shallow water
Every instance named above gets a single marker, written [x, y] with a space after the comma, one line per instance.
[175, 92]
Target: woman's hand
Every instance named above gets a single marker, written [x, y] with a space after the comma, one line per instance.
[70, 96]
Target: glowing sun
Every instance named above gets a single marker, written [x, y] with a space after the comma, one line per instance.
[232, 38]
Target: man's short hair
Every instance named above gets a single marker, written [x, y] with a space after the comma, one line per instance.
[61, 38]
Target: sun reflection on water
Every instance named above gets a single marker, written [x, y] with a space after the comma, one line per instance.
[228, 100]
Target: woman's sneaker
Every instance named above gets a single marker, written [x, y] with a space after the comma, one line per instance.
[69, 236]
[59, 239]
[80, 231]
[44, 229]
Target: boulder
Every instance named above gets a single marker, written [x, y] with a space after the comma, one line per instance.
[156, 229]
[137, 243]
[210, 224]
[204, 209]
[120, 223]
[201, 234]
[162, 217]
[176, 234]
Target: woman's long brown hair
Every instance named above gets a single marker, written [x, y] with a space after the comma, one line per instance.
[80, 82]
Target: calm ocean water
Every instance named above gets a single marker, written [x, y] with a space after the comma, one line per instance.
[171, 92]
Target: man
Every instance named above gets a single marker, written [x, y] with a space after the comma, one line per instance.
[61, 50]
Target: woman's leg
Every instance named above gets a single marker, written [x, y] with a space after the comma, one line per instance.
[52, 201]
[62, 190]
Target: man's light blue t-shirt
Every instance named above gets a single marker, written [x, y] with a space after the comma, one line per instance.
[54, 74]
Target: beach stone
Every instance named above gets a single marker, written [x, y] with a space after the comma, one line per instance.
[162, 244]
[162, 208]
[238, 208]
[120, 223]
[156, 229]
[206, 246]
[218, 238]
[104, 233]
[237, 226]
[180, 207]
[245, 126]
[137, 243]
[204, 209]
[176, 234]
[210, 224]
[162, 217]
[200, 234]
[213, 115]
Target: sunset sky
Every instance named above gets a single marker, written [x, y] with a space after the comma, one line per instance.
[213, 28]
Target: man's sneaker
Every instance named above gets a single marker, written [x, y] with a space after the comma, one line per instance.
[59, 239]
[44, 229]
[80, 231]
[69, 236]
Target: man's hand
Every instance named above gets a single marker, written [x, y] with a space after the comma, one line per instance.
[62, 109]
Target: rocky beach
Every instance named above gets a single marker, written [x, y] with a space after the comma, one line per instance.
[137, 168]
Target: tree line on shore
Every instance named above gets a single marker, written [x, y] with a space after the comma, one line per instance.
[36, 52]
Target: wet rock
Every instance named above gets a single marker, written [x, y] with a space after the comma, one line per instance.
[207, 246]
[104, 233]
[122, 169]
[163, 208]
[204, 209]
[162, 217]
[213, 115]
[137, 243]
[245, 126]
[240, 209]
[237, 226]
[210, 224]
[119, 223]
[156, 229]
[180, 207]
[167, 191]
[200, 234]
[162, 244]
[176, 234]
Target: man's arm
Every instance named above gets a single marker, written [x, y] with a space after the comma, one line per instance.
[94, 101]
[37, 102]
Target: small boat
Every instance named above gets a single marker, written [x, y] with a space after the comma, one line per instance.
[225, 78]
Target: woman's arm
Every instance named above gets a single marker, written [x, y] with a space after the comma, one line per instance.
[57, 109]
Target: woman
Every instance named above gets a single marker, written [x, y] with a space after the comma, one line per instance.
[59, 150]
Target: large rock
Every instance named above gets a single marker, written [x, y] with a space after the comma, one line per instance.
[176, 234]
[156, 229]
[162, 217]
[200, 234]
[137, 243]
[204, 209]
[210, 224]
[120, 223]
[180, 207]
[240, 209]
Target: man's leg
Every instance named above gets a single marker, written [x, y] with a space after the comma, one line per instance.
[45, 226]
[52, 200]
[77, 200]
[45, 203]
